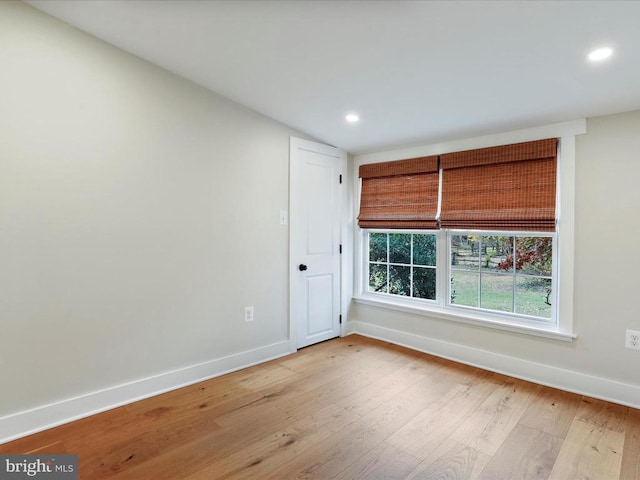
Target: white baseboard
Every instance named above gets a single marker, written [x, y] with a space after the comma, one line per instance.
[41, 418]
[576, 382]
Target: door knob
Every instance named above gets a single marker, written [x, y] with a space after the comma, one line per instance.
[302, 267]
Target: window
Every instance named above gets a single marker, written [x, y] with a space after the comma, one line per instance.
[502, 273]
[488, 254]
[402, 264]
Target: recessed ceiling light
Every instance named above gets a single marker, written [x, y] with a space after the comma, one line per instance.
[352, 118]
[600, 54]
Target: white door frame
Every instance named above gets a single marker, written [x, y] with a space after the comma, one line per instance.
[346, 240]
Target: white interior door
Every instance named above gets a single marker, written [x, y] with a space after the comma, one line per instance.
[315, 252]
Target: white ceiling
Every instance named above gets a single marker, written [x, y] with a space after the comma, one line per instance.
[415, 71]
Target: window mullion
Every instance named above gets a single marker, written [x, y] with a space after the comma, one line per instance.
[388, 269]
[411, 270]
[513, 283]
[480, 271]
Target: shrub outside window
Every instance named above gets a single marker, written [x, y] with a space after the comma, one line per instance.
[402, 264]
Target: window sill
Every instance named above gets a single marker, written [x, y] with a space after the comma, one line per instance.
[435, 311]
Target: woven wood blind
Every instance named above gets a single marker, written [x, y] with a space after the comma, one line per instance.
[400, 194]
[511, 187]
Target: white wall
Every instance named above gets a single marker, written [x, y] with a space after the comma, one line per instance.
[139, 214]
[606, 281]
[607, 273]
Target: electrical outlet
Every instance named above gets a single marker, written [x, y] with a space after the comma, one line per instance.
[248, 314]
[633, 339]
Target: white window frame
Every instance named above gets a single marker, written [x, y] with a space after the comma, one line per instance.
[563, 327]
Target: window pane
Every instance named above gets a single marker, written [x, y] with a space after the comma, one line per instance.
[424, 250]
[378, 247]
[464, 288]
[465, 252]
[402, 264]
[424, 283]
[497, 292]
[400, 248]
[505, 273]
[533, 296]
[534, 255]
[494, 251]
[377, 278]
[400, 280]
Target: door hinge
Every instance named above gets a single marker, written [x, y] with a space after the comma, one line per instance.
[340, 319]
[340, 178]
[340, 249]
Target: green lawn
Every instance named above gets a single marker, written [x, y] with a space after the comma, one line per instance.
[497, 293]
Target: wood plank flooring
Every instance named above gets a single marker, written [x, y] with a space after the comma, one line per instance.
[354, 408]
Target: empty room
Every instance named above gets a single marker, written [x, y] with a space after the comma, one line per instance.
[287, 239]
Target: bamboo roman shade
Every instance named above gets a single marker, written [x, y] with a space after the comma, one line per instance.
[511, 187]
[400, 194]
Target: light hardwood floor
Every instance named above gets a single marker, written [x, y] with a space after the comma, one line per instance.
[354, 408]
